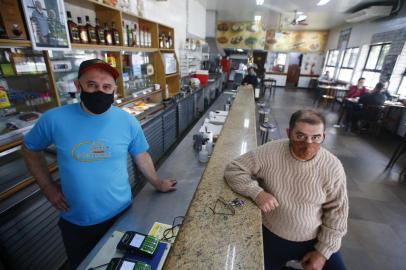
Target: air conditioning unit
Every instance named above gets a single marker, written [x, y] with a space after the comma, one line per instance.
[372, 12]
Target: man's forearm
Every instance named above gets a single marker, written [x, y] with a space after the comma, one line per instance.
[36, 164]
[146, 166]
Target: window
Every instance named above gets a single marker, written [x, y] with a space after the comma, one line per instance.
[348, 64]
[374, 63]
[331, 63]
[278, 62]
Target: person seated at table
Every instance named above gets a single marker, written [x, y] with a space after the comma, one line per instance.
[368, 102]
[357, 90]
[251, 78]
[385, 90]
[325, 76]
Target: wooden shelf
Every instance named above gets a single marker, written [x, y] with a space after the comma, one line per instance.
[166, 50]
[111, 48]
[172, 75]
[139, 97]
[15, 43]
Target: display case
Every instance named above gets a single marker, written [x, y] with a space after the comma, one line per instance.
[14, 174]
[26, 91]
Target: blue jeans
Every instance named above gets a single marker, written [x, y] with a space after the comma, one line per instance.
[278, 251]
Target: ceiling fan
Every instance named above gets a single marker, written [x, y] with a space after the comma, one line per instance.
[299, 18]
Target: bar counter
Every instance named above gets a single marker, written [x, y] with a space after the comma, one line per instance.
[215, 241]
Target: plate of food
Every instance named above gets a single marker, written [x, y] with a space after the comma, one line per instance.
[252, 27]
[222, 40]
[237, 27]
[236, 40]
[250, 41]
[222, 27]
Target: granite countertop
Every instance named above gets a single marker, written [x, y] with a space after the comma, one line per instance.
[208, 241]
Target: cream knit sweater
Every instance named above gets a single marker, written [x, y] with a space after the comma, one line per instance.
[312, 195]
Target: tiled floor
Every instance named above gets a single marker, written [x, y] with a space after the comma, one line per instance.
[376, 237]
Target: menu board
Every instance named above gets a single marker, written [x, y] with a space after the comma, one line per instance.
[241, 35]
[296, 41]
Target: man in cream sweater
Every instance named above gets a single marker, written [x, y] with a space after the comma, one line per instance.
[301, 189]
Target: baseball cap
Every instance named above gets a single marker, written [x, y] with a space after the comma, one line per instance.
[97, 63]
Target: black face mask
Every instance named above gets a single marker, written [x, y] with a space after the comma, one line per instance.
[97, 102]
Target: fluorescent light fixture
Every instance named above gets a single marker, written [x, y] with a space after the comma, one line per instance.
[260, 2]
[257, 18]
[240, 50]
[322, 2]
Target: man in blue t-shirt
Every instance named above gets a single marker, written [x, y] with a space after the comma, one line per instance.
[92, 140]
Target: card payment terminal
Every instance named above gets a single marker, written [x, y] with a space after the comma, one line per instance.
[127, 264]
[138, 243]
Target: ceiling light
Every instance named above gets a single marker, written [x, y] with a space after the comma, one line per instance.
[322, 2]
[260, 2]
[257, 18]
[240, 50]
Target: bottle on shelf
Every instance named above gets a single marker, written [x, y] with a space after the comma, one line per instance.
[91, 31]
[149, 38]
[170, 41]
[125, 37]
[82, 32]
[142, 37]
[129, 35]
[107, 35]
[135, 36]
[116, 35]
[73, 29]
[100, 33]
[161, 40]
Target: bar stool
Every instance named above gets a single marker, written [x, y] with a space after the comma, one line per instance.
[264, 130]
[269, 84]
[263, 114]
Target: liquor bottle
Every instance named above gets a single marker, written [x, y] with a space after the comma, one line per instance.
[170, 41]
[116, 35]
[100, 33]
[125, 37]
[129, 35]
[135, 36]
[149, 38]
[161, 40]
[91, 31]
[142, 36]
[82, 32]
[107, 35]
[73, 29]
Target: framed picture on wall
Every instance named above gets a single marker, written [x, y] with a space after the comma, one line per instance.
[47, 24]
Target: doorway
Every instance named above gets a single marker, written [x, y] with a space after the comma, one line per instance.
[295, 62]
[259, 60]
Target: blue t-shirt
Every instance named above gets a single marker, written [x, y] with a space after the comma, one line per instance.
[92, 153]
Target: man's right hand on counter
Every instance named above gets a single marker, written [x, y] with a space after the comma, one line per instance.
[266, 202]
[54, 194]
[167, 185]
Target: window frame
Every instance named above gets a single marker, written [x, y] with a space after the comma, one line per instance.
[379, 56]
[348, 67]
[328, 58]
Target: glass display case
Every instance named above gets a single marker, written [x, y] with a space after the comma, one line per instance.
[25, 92]
[138, 74]
[14, 172]
[65, 66]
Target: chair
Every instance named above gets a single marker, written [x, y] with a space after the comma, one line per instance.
[327, 95]
[372, 116]
[339, 98]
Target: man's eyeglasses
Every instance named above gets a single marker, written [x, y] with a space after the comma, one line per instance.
[221, 207]
[172, 232]
[304, 138]
[108, 88]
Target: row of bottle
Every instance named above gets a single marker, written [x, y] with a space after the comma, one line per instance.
[165, 41]
[89, 34]
[134, 38]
